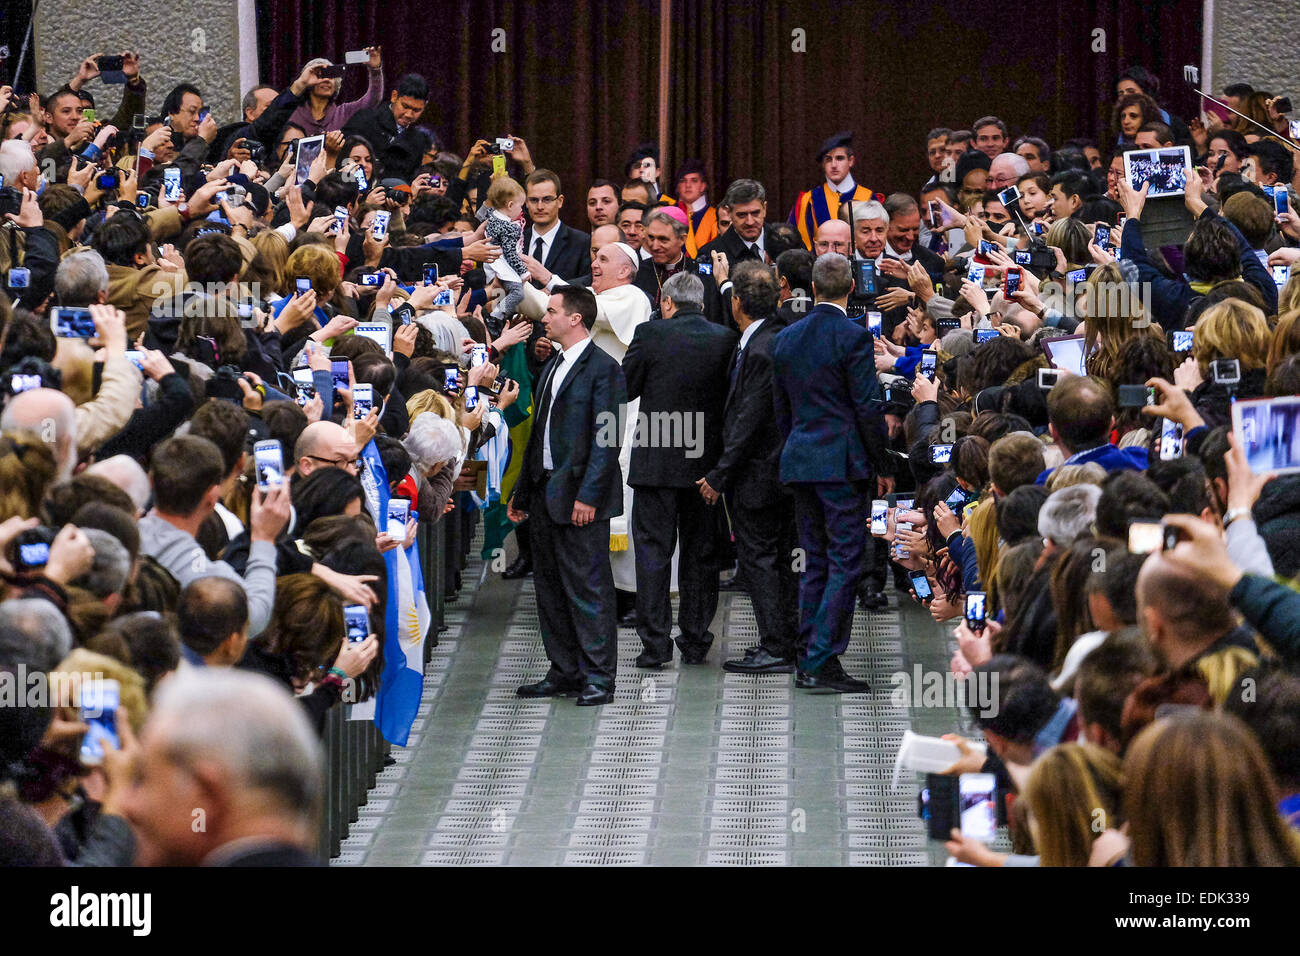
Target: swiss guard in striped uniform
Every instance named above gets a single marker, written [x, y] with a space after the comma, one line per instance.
[701, 218]
[816, 206]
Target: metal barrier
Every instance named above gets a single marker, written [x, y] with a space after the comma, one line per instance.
[354, 749]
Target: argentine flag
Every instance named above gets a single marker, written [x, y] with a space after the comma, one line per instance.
[406, 621]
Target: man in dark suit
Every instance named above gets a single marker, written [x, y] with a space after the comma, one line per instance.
[678, 368]
[762, 513]
[390, 128]
[561, 248]
[827, 397]
[570, 485]
[746, 201]
[794, 273]
[664, 237]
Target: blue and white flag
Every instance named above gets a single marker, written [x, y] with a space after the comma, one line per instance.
[406, 619]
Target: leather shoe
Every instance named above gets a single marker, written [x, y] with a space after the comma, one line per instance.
[522, 567]
[648, 661]
[593, 696]
[873, 601]
[549, 688]
[758, 660]
[831, 679]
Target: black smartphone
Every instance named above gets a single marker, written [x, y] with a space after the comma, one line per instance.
[929, 361]
[866, 277]
[1102, 236]
[921, 585]
[1136, 396]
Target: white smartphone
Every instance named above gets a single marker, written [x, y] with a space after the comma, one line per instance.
[269, 461]
[378, 333]
[979, 819]
[399, 510]
[356, 56]
[363, 400]
[357, 621]
[879, 516]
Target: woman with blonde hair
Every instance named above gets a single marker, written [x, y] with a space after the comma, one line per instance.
[1114, 315]
[1231, 329]
[1073, 795]
[1198, 791]
[1285, 340]
[1071, 236]
[267, 270]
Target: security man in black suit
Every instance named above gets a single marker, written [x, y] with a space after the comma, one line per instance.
[746, 201]
[677, 366]
[569, 487]
[561, 248]
[761, 509]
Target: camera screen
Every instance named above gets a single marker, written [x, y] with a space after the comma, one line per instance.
[940, 454]
[357, 622]
[73, 324]
[270, 464]
[99, 702]
[1171, 440]
[1144, 537]
[978, 810]
[1102, 237]
[1268, 430]
[399, 509]
[451, 379]
[985, 335]
[975, 609]
[1166, 170]
[921, 585]
[1183, 340]
[34, 555]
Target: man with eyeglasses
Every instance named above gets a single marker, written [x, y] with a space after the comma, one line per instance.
[326, 445]
[562, 249]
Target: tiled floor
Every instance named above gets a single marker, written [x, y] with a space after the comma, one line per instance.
[689, 766]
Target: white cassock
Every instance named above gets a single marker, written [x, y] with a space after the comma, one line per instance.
[618, 312]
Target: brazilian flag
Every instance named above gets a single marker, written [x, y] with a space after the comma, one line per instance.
[519, 419]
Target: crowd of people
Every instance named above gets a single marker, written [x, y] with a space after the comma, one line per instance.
[246, 359]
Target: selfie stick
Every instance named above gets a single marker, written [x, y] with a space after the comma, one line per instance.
[27, 39]
[1270, 132]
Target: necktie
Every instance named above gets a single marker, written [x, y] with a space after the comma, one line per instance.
[737, 362]
[544, 410]
[539, 248]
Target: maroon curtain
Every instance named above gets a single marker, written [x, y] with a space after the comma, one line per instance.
[579, 81]
[576, 81]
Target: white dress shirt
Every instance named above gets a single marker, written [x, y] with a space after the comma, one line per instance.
[699, 204]
[568, 358]
[905, 256]
[749, 333]
[548, 240]
[843, 187]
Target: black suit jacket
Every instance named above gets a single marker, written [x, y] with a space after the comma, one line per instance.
[398, 155]
[678, 368]
[586, 434]
[750, 465]
[570, 252]
[647, 280]
[271, 853]
[735, 248]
